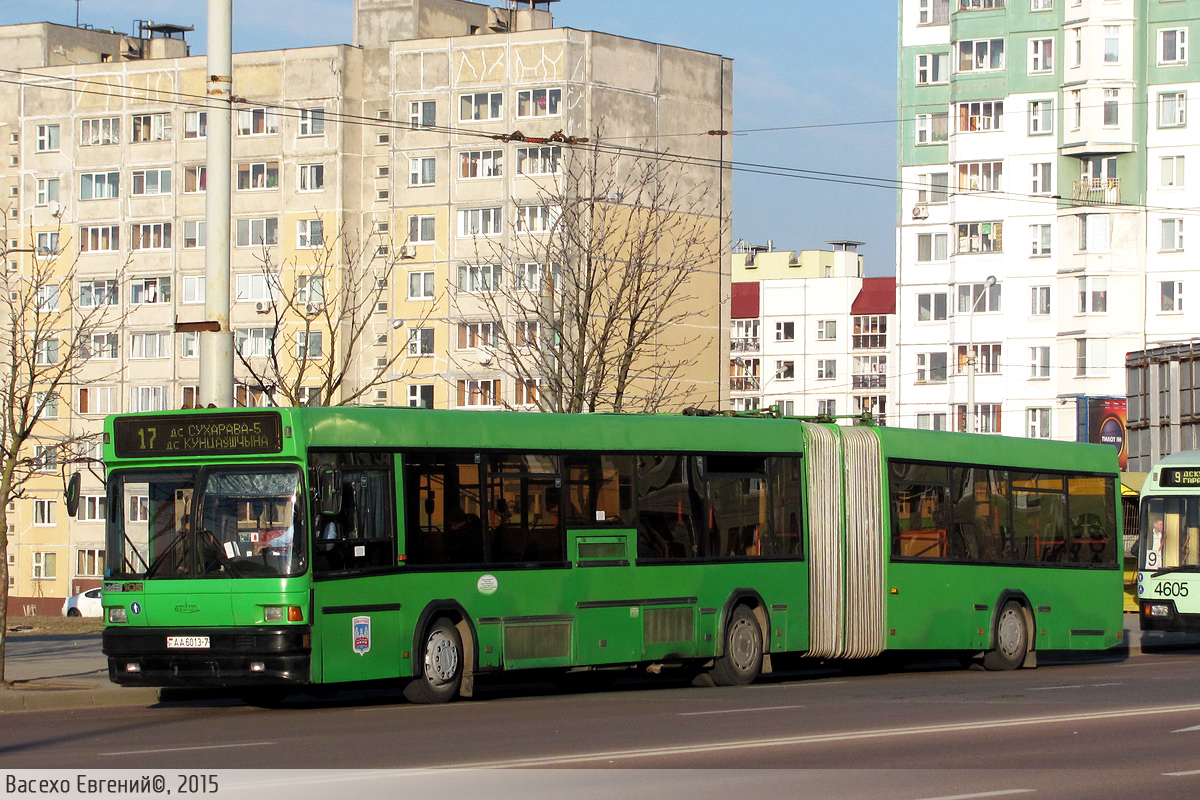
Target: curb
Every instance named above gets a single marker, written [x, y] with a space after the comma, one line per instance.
[29, 696]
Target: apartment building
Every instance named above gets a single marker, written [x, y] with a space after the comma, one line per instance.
[1048, 155]
[809, 334]
[417, 145]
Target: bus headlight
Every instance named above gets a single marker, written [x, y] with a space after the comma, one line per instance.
[1158, 610]
[118, 615]
[280, 613]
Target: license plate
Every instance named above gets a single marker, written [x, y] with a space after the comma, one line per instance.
[187, 642]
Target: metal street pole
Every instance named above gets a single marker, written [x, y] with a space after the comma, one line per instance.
[216, 337]
[972, 414]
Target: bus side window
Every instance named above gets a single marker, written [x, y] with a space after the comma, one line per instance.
[362, 534]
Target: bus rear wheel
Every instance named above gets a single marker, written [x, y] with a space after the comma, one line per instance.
[441, 666]
[1012, 639]
[742, 660]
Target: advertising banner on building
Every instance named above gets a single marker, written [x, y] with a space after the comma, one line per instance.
[1102, 420]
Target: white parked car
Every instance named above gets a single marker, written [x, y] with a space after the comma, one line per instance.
[84, 605]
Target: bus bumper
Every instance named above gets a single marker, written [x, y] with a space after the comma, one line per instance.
[1162, 615]
[258, 656]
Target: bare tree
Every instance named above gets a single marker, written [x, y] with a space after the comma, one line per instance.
[324, 319]
[602, 309]
[45, 343]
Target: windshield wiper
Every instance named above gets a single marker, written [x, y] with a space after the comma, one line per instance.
[225, 561]
[153, 568]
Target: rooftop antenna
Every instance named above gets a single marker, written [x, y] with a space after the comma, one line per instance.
[77, 3]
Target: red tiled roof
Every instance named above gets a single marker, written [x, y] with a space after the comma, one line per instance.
[877, 296]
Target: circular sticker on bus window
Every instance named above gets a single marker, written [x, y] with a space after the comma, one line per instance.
[487, 584]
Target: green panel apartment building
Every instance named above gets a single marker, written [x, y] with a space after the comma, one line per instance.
[1049, 152]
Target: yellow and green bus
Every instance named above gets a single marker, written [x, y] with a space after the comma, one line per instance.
[1168, 581]
[291, 547]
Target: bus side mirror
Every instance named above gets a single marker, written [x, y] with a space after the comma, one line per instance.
[71, 493]
[329, 491]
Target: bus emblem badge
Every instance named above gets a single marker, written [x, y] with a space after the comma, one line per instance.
[361, 629]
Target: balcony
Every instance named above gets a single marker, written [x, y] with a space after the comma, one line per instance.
[744, 345]
[1097, 191]
[745, 383]
[869, 381]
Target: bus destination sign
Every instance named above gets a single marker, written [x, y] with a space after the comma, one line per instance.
[198, 435]
[1186, 477]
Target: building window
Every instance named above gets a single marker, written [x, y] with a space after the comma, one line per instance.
[1042, 177]
[931, 421]
[47, 245]
[93, 508]
[1092, 295]
[981, 115]
[479, 277]
[195, 179]
[1041, 5]
[151, 236]
[933, 68]
[481, 164]
[97, 400]
[538, 277]
[987, 417]
[189, 345]
[420, 342]
[785, 370]
[45, 351]
[1039, 362]
[46, 191]
[310, 290]
[1112, 44]
[987, 358]
[980, 55]
[147, 398]
[1041, 56]
[420, 229]
[933, 12]
[99, 292]
[310, 234]
[934, 188]
[255, 288]
[150, 290]
[478, 393]
[536, 219]
[309, 344]
[480, 222]
[245, 396]
[99, 345]
[1112, 103]
[257, 121]
[422, 171]
[981, 176]
[1172, 235]
[422, 114]
[538, 160]
[1090, 357]
[932, 247]
[931, 367]
[47, 140]
[539, 102]
[1171, 171]
[420, 285]
[1041, 117]
[933, 128]
[151, 128]
[785, 331]
[89, 563]
[980, 237]
[826, 368]
[529, 334]
[149, 345]
[421, 395]
[870, 332]
[99, 185]
[827, 407]
[44, 512]
[931, 307]
[95, 132]
[1076, 46]
[1172, 110]
[1172, 46]
[254, 342]
[312, 122]
[195, 124]
[979, 5]
[1093, 233]
[1040, 240]
[1171, 294]
[978, 297]
[1038, 423]
[311, 177]
[256, 232]
[260, 175]
[826, 329]
[195, 234]
[48, 403]
[1039, 301]
[45, 564]
[480, 106]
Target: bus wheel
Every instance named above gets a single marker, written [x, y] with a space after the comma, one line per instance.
[441, 666]
[1012, 639]
[742, 660]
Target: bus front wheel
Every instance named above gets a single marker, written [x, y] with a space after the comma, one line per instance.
[742, 660]
[1012, 639]
[441, 666]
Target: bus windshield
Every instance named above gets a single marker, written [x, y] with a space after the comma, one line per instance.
[1170, 533]
[213, 522]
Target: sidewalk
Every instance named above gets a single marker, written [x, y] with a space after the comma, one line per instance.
[70, 672]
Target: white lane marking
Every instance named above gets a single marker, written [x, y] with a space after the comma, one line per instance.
[1071, 686]
[997, 793]
[734, 711]
[784, 741]
[1182, 774]
[792, 685]
[1153, 663]
[181, 749]
[1185, 730]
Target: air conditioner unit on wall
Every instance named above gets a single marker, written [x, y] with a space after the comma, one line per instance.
[408, 251]
[920, 212]
[262, 307]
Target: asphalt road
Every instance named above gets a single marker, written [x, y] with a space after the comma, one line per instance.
[1115, 727]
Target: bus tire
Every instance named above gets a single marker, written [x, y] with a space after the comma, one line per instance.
[441, 665]
[1012, 639]
[741, 661]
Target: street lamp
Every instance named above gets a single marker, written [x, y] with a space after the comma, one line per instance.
[972, 357]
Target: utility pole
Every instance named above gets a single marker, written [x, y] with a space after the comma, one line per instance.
[216, 337]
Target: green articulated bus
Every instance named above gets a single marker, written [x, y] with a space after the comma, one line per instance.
[1168, 584]
[290, 547]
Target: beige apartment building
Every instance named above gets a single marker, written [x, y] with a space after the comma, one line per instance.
[400, 147]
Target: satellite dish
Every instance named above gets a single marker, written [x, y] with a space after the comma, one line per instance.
[485, 358]
[56, 209]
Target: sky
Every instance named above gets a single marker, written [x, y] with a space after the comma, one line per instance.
[796, 63]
